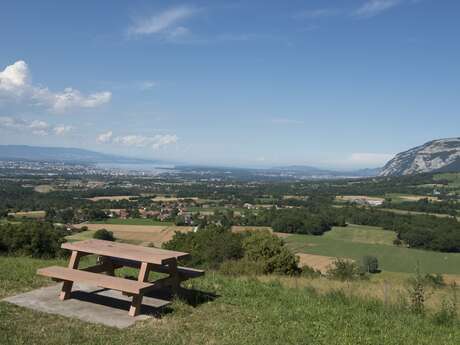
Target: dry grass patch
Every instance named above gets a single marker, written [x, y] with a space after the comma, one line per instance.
[154, 234]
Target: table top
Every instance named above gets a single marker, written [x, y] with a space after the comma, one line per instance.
[125, 251]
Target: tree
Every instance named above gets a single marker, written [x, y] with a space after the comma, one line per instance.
[370, 264]
[103, 234]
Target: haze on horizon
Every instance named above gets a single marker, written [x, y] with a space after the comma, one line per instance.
[331, 84]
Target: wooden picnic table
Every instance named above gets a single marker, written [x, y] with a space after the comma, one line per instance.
[114, 255]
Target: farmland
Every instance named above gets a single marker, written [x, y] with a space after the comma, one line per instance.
[138, 234]
[355, 242]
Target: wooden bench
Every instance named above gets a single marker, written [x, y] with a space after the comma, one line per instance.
[183, 272]
[115, 255]
[130, 287]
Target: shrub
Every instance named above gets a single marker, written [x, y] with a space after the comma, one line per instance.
[370, 264]
[209, 246]
[307, 271]
[37, 239]
[270, 252]
[417, 292]
[103, 234]
[344, 270]
[434, 280]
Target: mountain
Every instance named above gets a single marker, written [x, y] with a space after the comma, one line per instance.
[441, 155]
[63, 154]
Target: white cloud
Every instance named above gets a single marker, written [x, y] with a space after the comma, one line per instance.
[164, 23]
[15, 82]
[373, 8]
[155, 142]
[36, 127]
[371, 159]
[104, 137]
[14, 77]
[62, 129]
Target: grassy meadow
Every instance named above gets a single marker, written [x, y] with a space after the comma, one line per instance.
[267, 310]
[357, 241]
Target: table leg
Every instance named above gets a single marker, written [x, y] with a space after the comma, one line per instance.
[174, 275]
[137, 299]
[67, 285]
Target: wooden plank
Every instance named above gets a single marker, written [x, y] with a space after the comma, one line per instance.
[67, 285]
[95, 279]
[125, 251]
[143, 276]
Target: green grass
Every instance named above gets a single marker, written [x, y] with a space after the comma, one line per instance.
[133, 221]
[361, 234]
[338, 243]
[453, 178]
[247, 311]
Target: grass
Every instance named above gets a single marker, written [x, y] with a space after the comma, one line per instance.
[132, 221]
[355, 245]
[29, 214]
[247, 311]
[452, 178]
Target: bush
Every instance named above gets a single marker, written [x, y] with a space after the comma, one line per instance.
[269, 251]
[209, 246]
[103, 234]
[307, 271]
[370, 264]
[37, 239]
[345, 270]
[434, 280]
[417, 292]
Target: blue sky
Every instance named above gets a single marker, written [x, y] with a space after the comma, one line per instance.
[342, 84]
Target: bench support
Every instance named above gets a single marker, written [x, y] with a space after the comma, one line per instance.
[136, 304]
[67, 285]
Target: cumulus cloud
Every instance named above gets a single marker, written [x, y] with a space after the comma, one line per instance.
[165, 23]
[15, 82]
[155, 142]
[36, 127]
[104, 137]
[373, 8]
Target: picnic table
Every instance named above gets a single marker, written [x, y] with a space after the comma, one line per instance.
[114, 255]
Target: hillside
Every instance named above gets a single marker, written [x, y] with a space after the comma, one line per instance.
[228, 310]
[441, 155]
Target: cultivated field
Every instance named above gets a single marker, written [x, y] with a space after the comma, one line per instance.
[113, 198]
[353, 242]
[139, 234]
[133, 221]
[43, 188]
[28, 214]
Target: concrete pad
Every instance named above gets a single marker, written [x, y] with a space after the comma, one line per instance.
[90, 304]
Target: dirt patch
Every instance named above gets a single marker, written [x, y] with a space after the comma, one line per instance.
[318, 262]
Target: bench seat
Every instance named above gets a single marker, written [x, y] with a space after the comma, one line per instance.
[184, 272]
[109, 282]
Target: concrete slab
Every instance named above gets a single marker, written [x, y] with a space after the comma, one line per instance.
[91, 304]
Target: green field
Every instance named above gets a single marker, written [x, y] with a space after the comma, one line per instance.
[133, 221]
[353, 242]
[246, 311]
[453, 178]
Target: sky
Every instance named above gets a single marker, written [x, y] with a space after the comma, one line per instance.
[340, 84]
